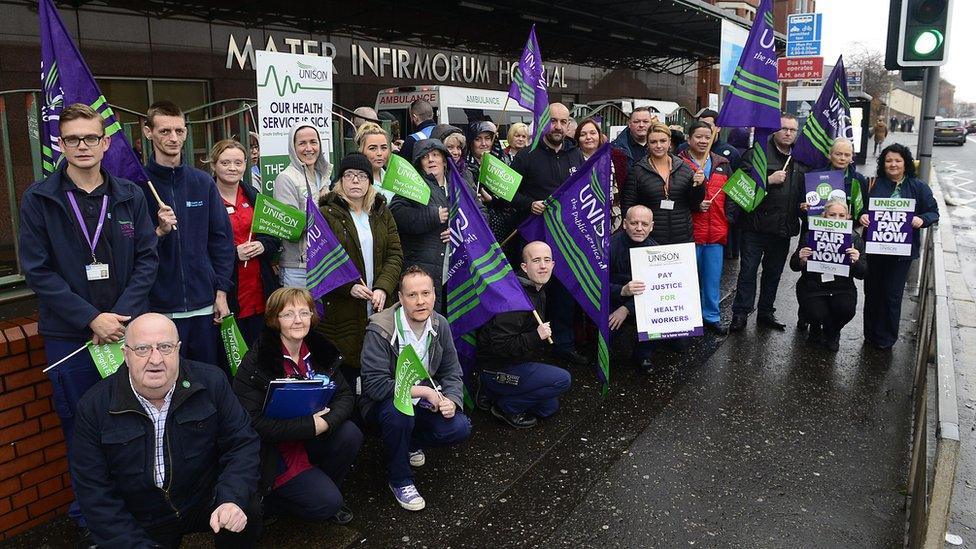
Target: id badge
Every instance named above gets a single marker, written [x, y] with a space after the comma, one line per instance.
[97, 271]
[824, 277]
[667, 204]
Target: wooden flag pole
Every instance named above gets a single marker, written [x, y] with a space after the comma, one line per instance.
[158, 199]
[539, 320]
[509, 237]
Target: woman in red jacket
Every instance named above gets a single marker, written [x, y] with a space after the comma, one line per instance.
[710, 225]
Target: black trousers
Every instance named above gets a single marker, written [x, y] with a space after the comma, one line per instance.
[757, 249]
[197, 519]
[884, 289]
[832, 311]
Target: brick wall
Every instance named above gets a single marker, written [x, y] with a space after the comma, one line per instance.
[34, 484]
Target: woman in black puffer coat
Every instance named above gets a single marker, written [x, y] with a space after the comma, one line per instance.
[668, 186]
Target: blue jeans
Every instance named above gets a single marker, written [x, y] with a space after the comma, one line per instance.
[402, 433]
[771, 252]
[293, 277]
[314, 494]
[200, 339]
[536, 391]
[710, 258]
[70, 380]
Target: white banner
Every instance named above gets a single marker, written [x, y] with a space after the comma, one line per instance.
[670, 306]
[292, 89]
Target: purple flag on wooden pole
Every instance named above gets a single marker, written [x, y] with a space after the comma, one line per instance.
[529, 88]
[576, 225]
[753, 101]
[328, 265]
[65, 80]
[480, 280]
[829, 119]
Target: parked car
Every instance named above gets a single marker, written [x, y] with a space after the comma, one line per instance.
[950, 130]
[971, 126]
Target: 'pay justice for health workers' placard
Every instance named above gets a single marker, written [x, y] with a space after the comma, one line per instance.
[670, 306]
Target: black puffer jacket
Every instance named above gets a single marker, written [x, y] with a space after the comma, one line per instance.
[646, 187]
[420, 226]
[511, 338]
[259, 367]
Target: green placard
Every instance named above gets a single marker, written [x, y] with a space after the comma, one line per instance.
[107, 357]
[744, 191]
[498, 178]
[234, 344]
[401, 178]
[277, 219]
[409, 370]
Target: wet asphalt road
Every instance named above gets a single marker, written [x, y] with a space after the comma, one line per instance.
[754, 440]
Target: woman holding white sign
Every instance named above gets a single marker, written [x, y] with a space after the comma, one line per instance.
[884, 286]
[828, 302]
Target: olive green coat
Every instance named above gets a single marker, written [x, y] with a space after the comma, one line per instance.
[344, 323]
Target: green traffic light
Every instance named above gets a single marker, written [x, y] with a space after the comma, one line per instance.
[927, 42]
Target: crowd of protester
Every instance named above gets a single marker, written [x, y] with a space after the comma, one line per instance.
[173, 443]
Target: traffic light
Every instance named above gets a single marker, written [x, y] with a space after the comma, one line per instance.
[917, 33]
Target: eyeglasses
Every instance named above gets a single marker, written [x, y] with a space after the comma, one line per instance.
[290, 315]
[355, 176]
[788, 130]
[90, 140]
[165, 348]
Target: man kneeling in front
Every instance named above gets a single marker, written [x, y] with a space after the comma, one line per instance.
[438, 419]
[519, 386]
[163, 448]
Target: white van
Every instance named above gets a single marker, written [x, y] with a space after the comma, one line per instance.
[453, 105]
[667, 108]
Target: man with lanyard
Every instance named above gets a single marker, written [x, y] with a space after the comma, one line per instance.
[88, 251]
[438, 419]
[422, 118]
[196, 242]
[767, 230]
[543, 170]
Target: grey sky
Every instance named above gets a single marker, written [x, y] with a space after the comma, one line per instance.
[866, 21]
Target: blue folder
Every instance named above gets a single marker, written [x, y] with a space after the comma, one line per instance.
[291, 398]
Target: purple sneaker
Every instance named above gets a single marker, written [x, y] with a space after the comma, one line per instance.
[408, 497]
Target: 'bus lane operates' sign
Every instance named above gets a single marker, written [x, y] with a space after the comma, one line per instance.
[890, 226]
[670, 306]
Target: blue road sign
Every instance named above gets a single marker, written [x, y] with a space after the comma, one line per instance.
[803, 32]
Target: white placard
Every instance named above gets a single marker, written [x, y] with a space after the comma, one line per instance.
[292, 89]
[670, 306]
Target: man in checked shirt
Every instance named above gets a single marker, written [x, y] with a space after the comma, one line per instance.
[163, 448]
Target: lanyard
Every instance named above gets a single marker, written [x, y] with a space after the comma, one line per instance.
[666, 177]
[92, 242]
[403, 337]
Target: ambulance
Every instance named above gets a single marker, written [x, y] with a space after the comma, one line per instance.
[452, 105]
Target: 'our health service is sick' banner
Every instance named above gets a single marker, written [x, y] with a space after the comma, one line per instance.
[670, 306]
[829, 239]
[821, 187]
[890, 226]
[292, 89]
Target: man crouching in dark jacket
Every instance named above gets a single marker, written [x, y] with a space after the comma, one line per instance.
[163, 448]
[509, 345]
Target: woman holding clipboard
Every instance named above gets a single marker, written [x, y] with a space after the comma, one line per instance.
[304, 459]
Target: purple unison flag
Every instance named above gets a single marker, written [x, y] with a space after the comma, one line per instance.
[65, 80]
[576, 224]
[328, 265]
[529, 88]
[829, 119]
[753, 100]
[480, 280]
